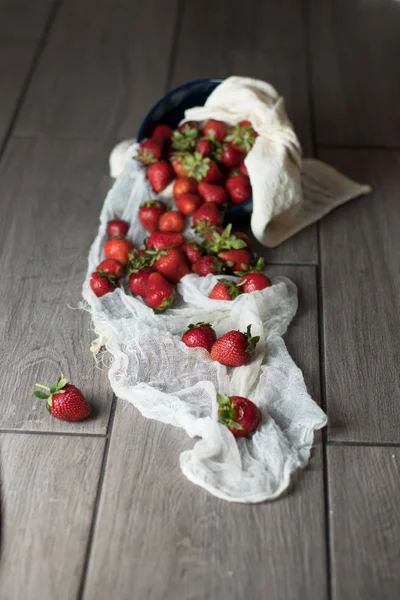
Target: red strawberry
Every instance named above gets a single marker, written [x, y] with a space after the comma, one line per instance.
[160, 294]
[212, 193]
[231, 157]
[236, 260]
[224, 290]
[215, 130]
[138, 280]
[185, 127]
[243, 136]
[213, 174]
[204, 146]
[208, 212]
[199, 335]
[164, 239]
[189, 203]
[160, 174]
[172, 264]
[102, 284]
[151, 150]
[206, 265]
[235, 348]
[212, 230]
[184, 185]
[173, 221]
[117, 228]
[163, 131]
[238, 188]
[177, 160]
[150, 213]
[243, 169]
[110, 266]
[192, 251]
[254, 281]
[201, 168]
[239, 414]
[118, 249]
[64, 401]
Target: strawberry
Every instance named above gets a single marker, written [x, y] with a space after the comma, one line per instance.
[254, 281]
[243, 136]
[192, 251]
[204, 147]
[224, 290]
[163, 131]
[138, 280]
[207, 212]
[244, 237]
[172, 264]
[151, 150]
[177, 160]
[64, 400]
[239, 414]
[220, 240]
[189, 203]
[199, 335]
[238, 188]
[150, 213]
[160, 294]
[201, 168]
[172, 220]
[243, 169]
[212, 230]
[101, 283]
[164, 239]
[206, 265]
[118, 249]
[160, 174]
[236, 260]
[212, 193]
[230, 157]
[184, 185]
[235, 348]
[185, 140]
[117, 228]
[110, 266]
[186, 127]
[215, 130]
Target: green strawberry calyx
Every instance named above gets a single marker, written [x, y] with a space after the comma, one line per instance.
[138, 261]
[224, 241]
[185, 141]
[165, 304]
[242, 137]
[231, 287]
[257, 265]
[252, 341]
[146, 157]
[58, 387]
[111, 278]
[227, 412]
[196, 165]
[150, 202]
[196, 326]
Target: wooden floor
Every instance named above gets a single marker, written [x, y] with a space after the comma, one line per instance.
[100, 510]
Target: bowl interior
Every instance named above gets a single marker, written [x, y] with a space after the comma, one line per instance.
[170, 110]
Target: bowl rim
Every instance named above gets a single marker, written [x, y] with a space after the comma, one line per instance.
[177, 89]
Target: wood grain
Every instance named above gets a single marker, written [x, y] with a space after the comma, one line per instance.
[160, 537]
[364, 497]
[100, 82]
[51, 194]
[355, 55]
[265, 41]
[49, 487]
[360, 254]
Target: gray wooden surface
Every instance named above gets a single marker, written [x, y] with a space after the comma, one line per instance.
[364, 497]
[100, 510]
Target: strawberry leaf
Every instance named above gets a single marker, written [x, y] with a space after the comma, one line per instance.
[40, 395]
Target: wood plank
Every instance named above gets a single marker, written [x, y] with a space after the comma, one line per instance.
[364, 499]
[265, 41]
[360, 255]
[160, 537]
[51, 194]
[355, 54]
[49, 486]
[100, 82]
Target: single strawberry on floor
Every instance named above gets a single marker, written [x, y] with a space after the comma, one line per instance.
[199, 335]
[117, 228]
[64, 400]
[239, 414]
[235, 349]
[150, 213]
[110, 266]
[160, 175]
[173, 221]
[225, 289]
[160, 294]
[118, 249]
[102, 283]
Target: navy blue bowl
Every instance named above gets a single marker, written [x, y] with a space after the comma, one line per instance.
[170, 110]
